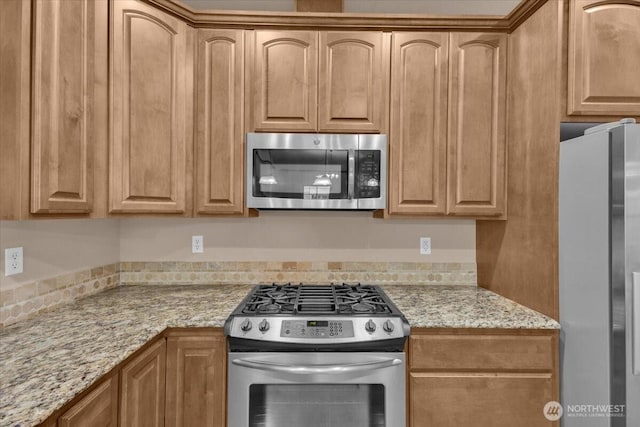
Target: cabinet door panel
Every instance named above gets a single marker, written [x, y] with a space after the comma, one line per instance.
[476, 136]
[352, 81]
[142, 397]
[196, 381]
[285, 76]
[63, 104]
[604, 58]
[98, 409]
[220, 95]
[496, 400]
[417, 183]
[149, 88]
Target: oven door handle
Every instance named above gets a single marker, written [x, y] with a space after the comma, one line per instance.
[317, 369]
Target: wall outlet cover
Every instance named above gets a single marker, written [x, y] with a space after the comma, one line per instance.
[13, 261]
[197, 244]
[425, 246]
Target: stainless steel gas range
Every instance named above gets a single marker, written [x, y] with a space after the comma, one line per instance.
[316, 355]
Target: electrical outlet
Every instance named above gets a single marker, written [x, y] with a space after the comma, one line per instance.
[197, 244]
[425, 246]
[13, 261]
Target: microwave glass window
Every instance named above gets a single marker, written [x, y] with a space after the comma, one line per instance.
[316, 405]
[300, 174]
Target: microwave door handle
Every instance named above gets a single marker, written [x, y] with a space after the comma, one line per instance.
[317, 369]
[635, 326]
[352, 171]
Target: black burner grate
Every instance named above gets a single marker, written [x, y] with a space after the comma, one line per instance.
[316, 299]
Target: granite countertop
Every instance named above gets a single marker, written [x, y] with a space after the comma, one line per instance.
[46, 361]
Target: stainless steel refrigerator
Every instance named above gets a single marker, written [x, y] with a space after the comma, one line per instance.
[599, 237]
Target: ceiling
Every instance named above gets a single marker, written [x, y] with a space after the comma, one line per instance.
[430, 7]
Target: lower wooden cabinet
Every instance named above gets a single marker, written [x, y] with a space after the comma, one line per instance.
[142, 395]
[456, 377]
[485, 399]
[196, 379]
[97, 409]
[178, 379]
[495, 378]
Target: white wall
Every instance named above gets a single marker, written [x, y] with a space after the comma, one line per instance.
[297, 236]
[430, 7]
[55, 247]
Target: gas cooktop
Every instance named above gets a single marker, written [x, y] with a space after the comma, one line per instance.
[336, 317]
[317, 299]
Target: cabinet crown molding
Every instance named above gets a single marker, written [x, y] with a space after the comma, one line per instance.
[373, 21]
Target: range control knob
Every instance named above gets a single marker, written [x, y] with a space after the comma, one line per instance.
[370, 326]
[263, 326]
[246, 325]
[387, 326]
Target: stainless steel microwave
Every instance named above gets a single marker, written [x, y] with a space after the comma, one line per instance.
[316, 171]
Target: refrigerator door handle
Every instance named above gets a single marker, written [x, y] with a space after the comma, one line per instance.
[636, 322]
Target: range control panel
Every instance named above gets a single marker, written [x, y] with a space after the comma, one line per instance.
[320, 329]
[317, 329]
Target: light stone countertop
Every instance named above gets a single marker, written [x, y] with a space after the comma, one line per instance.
[46, 361]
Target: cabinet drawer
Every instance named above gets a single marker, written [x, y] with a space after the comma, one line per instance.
[496, 400]
[481, 352]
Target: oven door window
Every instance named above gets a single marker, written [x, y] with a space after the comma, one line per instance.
[316, 405]
[301, 174]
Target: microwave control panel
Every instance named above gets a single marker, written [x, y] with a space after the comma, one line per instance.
[368, 174]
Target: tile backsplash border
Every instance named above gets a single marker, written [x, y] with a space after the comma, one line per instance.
[264, 272]
[28, 300]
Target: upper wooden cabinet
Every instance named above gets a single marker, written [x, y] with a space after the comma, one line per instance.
[196, 363]
[219, 122]
[65, 57]
[448, 117]
[327, 81]
[151, 126]
[418, 135]
[285, 78]
[477, 124]
[142, 388]
[352, 81]
[99, 408]
[604, 58]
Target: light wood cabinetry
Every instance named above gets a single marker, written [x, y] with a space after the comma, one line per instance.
[196, 364]
[604, 58]
[418, 129]
[178, 379]
[97, 409]
[151, 79]
[62, 107]
[329, 81]
[285, 78]
[462, 399]
[219, 122]
[469, 378]
[477, 124]
[15, 84]
[142, 393]
[448, 124]
[352, 81]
